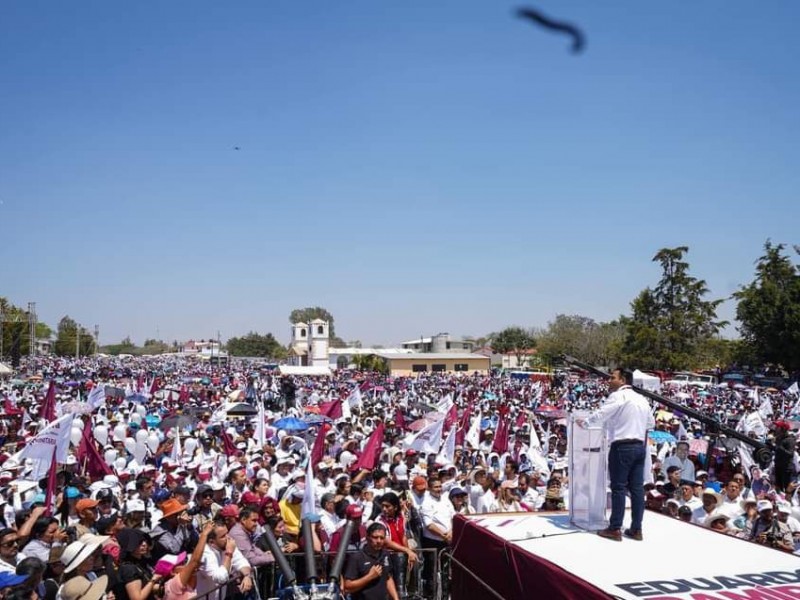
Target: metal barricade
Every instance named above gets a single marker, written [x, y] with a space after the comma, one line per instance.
[410, 587]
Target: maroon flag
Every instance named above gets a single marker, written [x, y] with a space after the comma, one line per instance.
[463, 426]
[183, 397]
[227, 443]
[10, 409]
[332, 410]
[450, 418]
[89, 457]
[318, 451]
[500, 444]
[50, 492]
[520, 420]
[48, 410]
[140, 382]
[372, 451]
[155, 386]
[399, 419]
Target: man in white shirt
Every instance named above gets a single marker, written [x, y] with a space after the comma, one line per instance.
[731, 505]
[710, 500]
[221, 562]
[437, 529]
[627, 418]
[681, 459]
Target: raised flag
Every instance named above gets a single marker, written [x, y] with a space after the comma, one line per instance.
[332, 410]
[427, 440]
[372, 451]
[764, 404]
[177, 452]
[500, 444]
[48, 409]
[318, 449]
[227, 443]
[97, 397]
[451, 418]
[448, 452]
[354, 399]
[308, 506]
[473, 437]
[50, 492]
[53, 436]
[89, 457]
[399, 419]
[463, 425]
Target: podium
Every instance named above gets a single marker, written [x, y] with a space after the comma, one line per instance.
[588, 454]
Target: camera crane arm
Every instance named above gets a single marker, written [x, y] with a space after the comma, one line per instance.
[762, 452]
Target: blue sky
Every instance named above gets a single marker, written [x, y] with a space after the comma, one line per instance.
[413, 167]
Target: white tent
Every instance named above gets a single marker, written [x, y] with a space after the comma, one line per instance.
[309, 370]
[648, 382]
[5, 369]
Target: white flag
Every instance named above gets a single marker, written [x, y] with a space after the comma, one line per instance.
[793, 389]
[97, 397]
[752, 423]
[177, 453]
[55, 435]
[354, 399]
[764, 406]
[447, 455]
[427, 440]
[308, 507]
[444, 404]
[346, 414]
[473, 437]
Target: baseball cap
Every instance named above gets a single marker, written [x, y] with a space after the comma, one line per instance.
[457, 491]
[764, 505]
[231, 510]
[85, 503]
[9, 579]
[354, 511]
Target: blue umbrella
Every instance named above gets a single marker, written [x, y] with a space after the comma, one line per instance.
[290, 424]
[152, 420]
[661, 436]
[315, 419]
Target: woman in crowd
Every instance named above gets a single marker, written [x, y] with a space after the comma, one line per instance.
[182, 582]
[136, 578]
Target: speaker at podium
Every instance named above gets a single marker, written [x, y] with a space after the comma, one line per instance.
[588, 454]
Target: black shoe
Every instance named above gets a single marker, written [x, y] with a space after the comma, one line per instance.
[633, 534]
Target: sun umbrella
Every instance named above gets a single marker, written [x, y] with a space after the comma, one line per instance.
[152, 420]
[317, 419]
[661, 436]
[241, 409]
[176, 422]
[290, 424]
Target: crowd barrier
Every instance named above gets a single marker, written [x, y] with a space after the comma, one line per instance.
[409, 579]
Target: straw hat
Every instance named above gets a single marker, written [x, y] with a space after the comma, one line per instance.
[80, 588]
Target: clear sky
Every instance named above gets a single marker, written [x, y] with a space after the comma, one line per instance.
[414, 167]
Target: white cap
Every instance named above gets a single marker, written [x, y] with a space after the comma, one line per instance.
[134, 505]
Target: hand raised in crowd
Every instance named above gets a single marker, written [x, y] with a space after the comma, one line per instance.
[207, 529]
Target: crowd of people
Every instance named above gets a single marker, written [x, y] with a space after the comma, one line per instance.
[179, 473]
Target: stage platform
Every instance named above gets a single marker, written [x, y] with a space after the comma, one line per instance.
[540, 555]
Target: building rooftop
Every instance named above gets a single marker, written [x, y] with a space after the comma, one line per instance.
[429, 355]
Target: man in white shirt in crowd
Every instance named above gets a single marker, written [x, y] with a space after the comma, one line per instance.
[437, 529]
[221, 562]
[710, 500]
[681, 459]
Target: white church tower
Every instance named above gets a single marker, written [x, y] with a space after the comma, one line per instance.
[320, 341]
[300, 343]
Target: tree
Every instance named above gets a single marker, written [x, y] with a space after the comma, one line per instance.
[514, 340]
[254, 344]
[70, 338]
[125, 346]
[16, 331]
[769, 309]
[581, 337]
[671, 322]
[370, 362]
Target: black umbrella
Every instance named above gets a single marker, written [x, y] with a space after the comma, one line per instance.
[177, 422]
[242, 409]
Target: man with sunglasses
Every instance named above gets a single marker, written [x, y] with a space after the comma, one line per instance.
[9, 550]
[204, 509]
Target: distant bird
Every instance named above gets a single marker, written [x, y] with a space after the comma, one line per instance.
[236, 148]
[578, 39]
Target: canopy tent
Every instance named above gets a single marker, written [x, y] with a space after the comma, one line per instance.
[648, 382]
[309, 371]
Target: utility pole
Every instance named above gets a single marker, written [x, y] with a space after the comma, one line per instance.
[32, 329]
[77, 341]
[96, 338]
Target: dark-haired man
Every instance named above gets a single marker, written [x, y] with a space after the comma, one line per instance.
[627, 418]
[368, 574]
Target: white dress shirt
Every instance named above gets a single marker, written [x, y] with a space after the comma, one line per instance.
[626, 415]
[439, 513]
[212, 572]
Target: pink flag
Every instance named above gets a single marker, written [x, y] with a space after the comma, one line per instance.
[89, 457]
[48, 410]
[463, 426]
[318, 450]
[451, 418]
[332, 410]
[501, 437]
[399, 419]
[372, 451]
[50, 493]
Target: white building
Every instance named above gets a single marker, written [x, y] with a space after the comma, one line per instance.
[310, 344]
